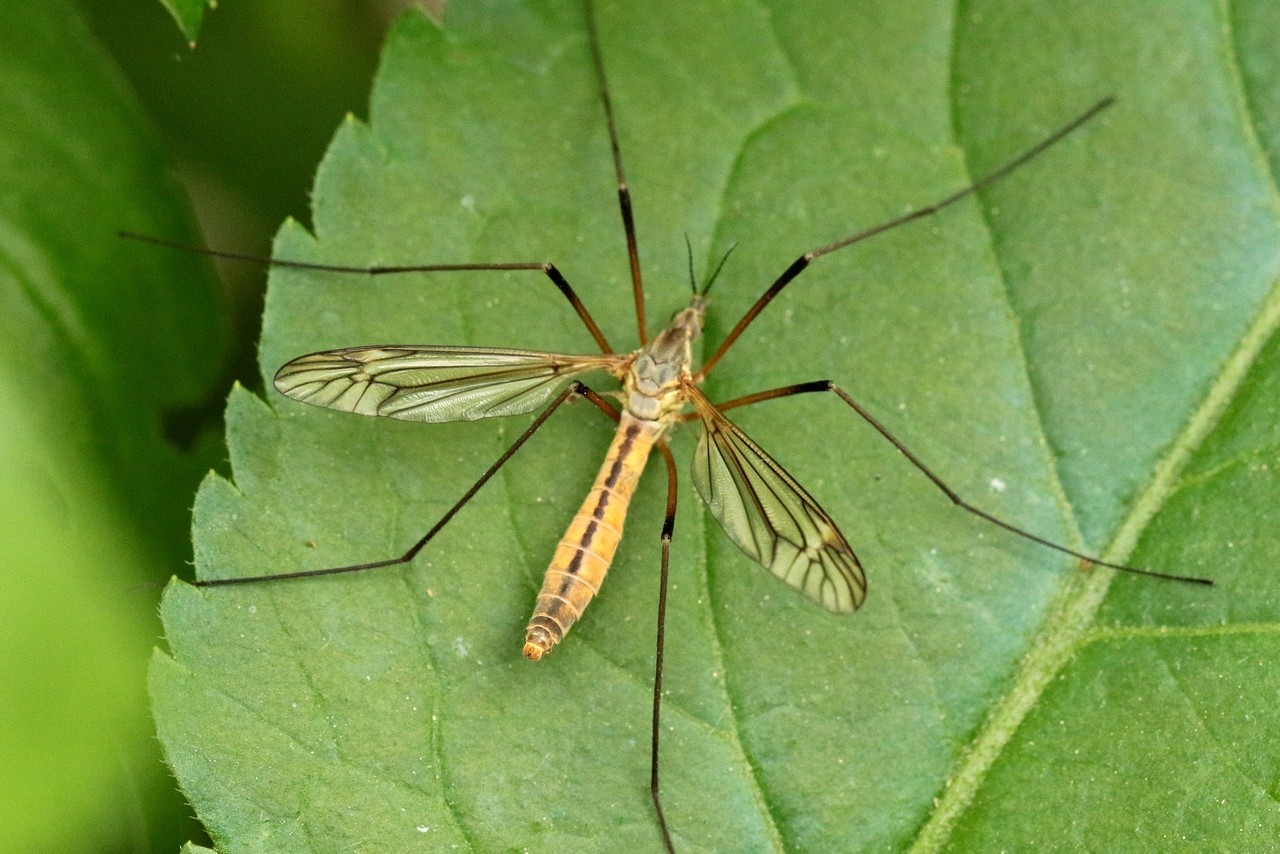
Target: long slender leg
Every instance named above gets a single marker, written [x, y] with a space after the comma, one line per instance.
[668, 528]
[600, 403]
[828, 385]
[575, 388]
[800, 263]
[558, 279]
[624, 192]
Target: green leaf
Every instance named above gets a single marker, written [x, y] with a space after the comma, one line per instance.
[109, 351]
[188, 15]
[116, 347]
[71, 689]
[1070, 350]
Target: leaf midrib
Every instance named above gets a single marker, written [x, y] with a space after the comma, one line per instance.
[710, 531]
[1070, 617]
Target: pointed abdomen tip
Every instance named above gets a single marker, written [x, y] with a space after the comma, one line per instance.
[537, 642]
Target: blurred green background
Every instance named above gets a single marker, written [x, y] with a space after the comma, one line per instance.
[116, 357]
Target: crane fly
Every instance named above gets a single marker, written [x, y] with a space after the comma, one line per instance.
[761, 507]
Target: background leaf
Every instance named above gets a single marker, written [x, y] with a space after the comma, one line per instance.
[1081, 350]
[109, 360]
[188, 15]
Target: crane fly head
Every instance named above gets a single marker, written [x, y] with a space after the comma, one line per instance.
[688, 320]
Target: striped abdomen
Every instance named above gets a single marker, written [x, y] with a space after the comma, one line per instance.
[586, 550]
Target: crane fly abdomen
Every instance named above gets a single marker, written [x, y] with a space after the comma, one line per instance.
[584, 554]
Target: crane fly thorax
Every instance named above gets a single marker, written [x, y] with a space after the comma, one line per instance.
[652, 388]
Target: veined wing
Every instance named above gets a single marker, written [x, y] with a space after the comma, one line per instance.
[770, 516]
[433, 383]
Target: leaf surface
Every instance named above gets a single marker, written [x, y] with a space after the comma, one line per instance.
[1081, 350]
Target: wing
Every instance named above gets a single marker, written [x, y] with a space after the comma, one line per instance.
[770, 516]
[433, 383]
